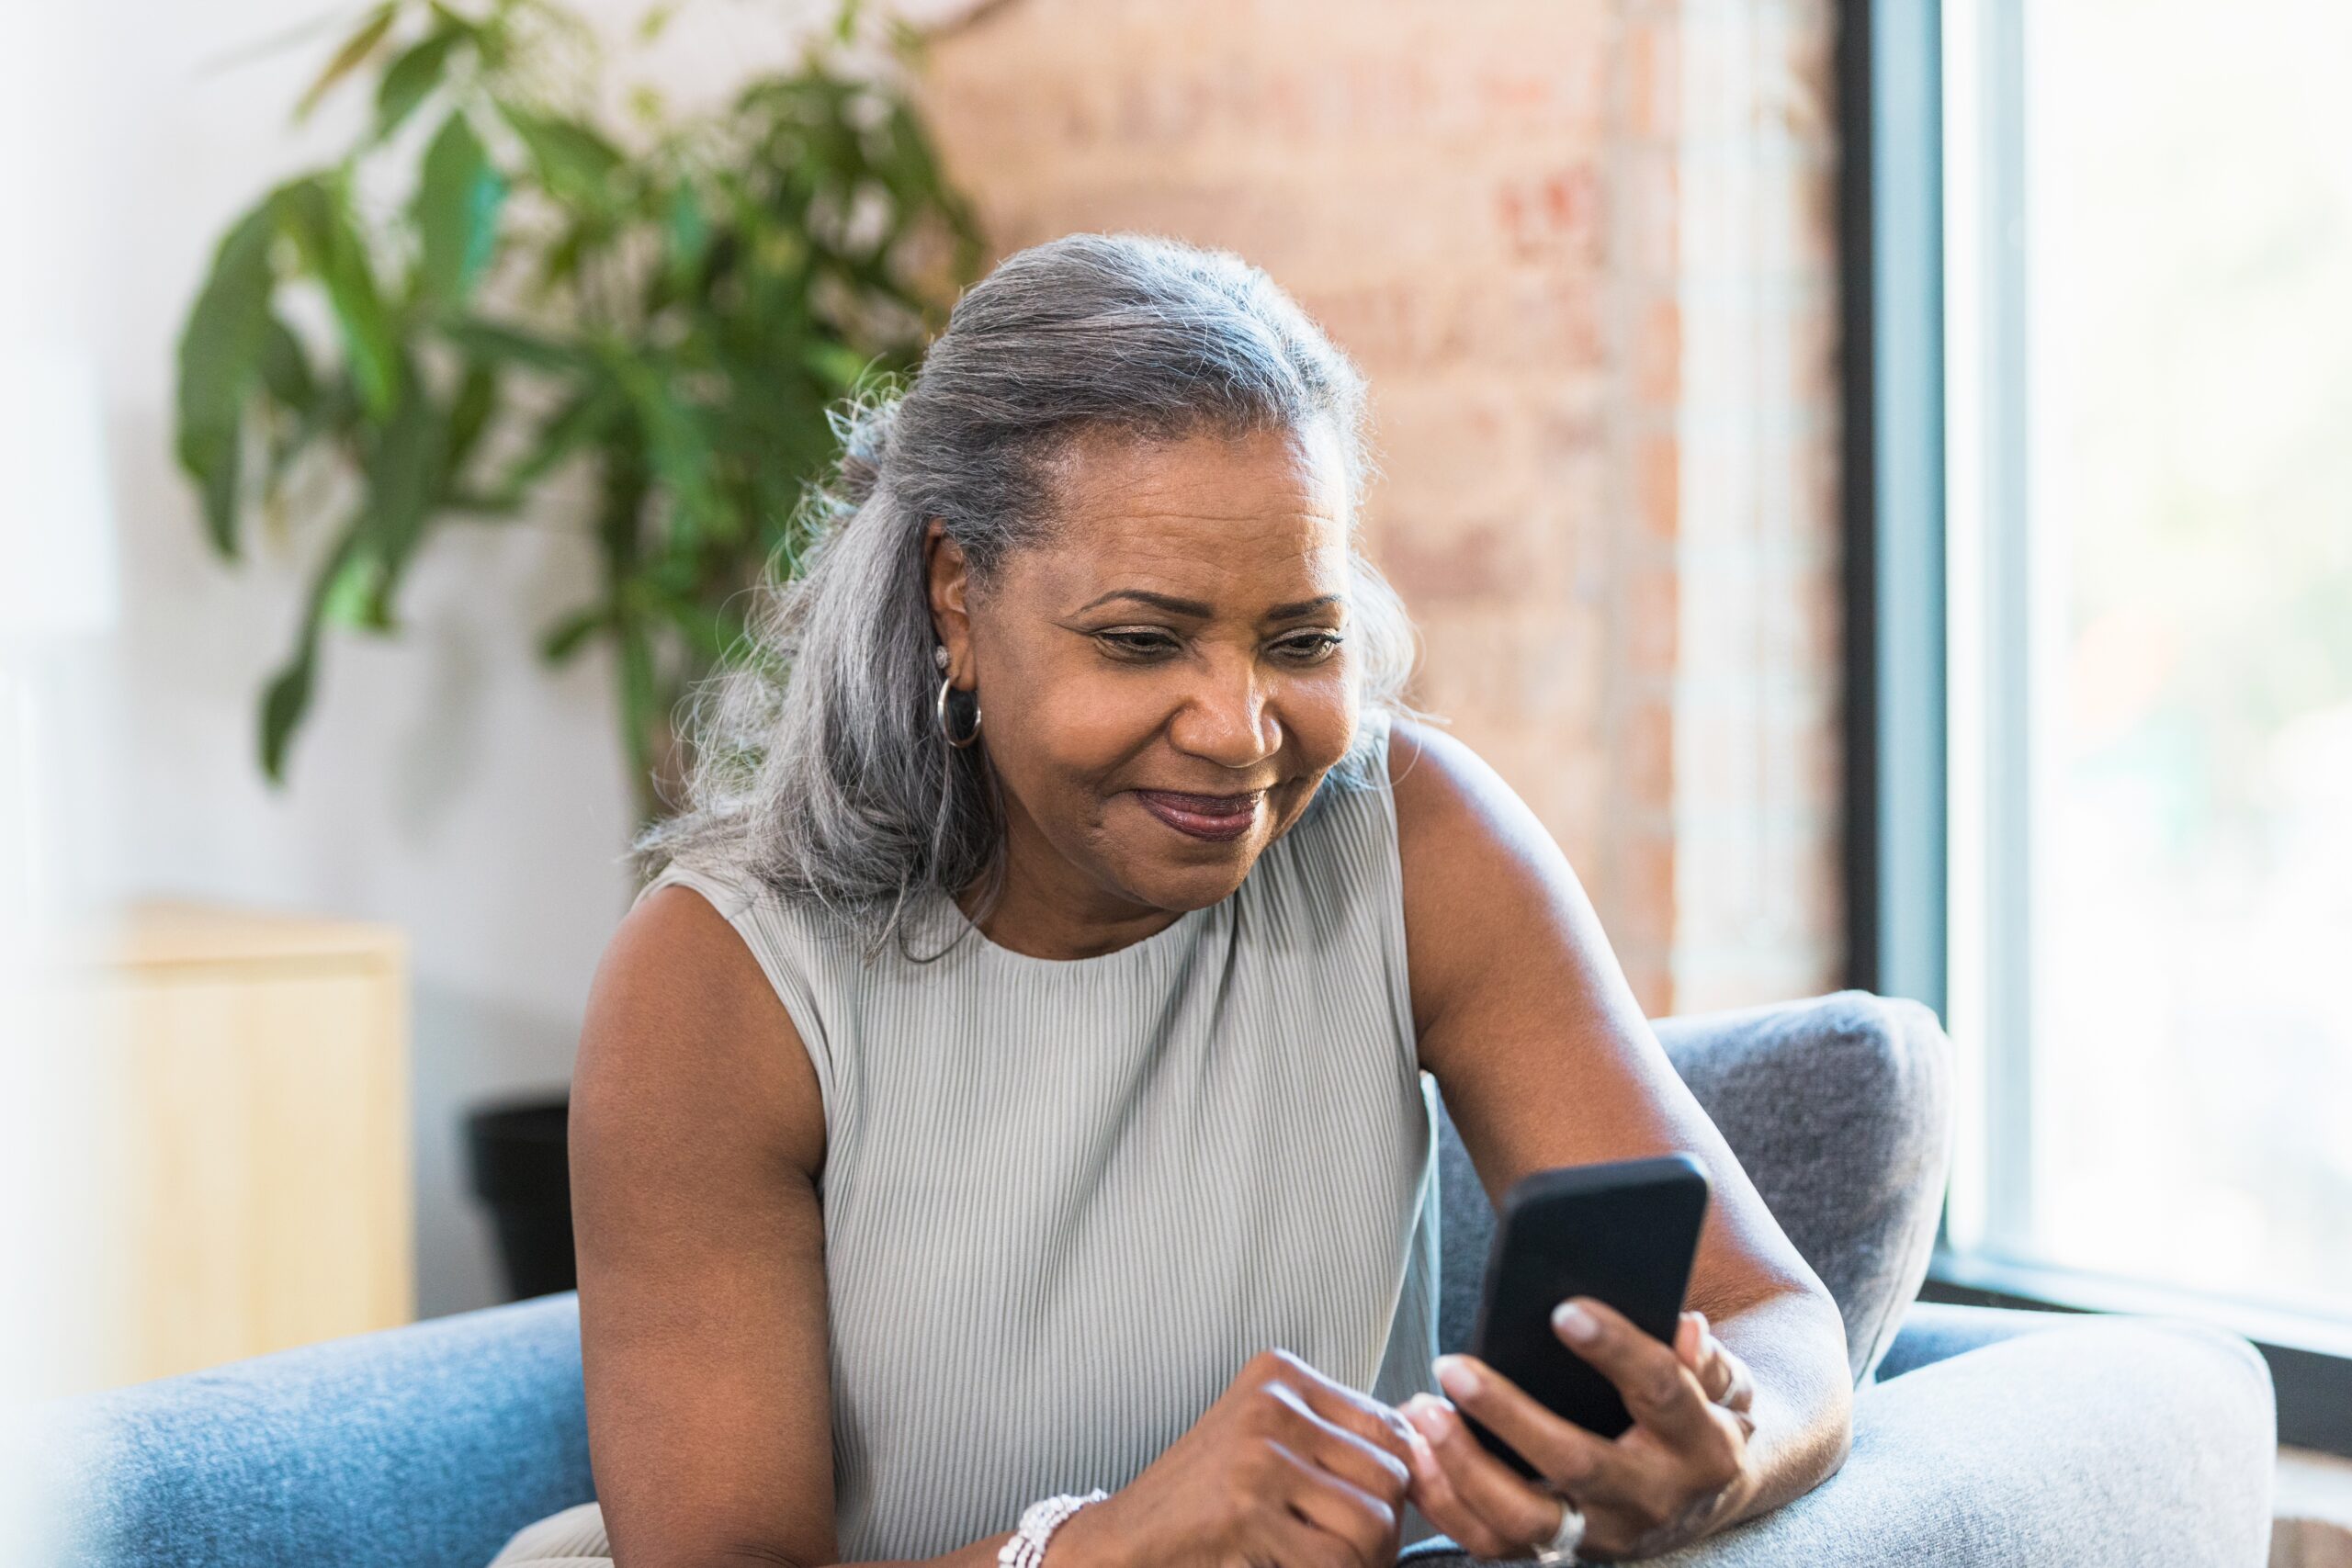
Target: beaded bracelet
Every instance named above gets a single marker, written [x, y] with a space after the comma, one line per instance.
[1038, 1522]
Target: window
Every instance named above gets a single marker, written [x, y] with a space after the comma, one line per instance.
[2102, 519]
[2151, 653]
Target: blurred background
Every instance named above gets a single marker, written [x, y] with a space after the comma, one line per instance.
[1874, 478]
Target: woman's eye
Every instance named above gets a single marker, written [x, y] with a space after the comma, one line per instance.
[1133, 642]
[1309, 649]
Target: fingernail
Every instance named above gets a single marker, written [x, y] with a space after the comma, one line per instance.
[1455, 1376]
[1575, 1323]
[1421, 1411]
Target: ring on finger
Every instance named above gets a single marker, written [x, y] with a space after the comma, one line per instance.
[1561, 1547]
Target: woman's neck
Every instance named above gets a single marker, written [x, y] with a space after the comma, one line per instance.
[1060, 913]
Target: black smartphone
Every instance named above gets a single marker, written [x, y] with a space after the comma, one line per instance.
[1624, 1232]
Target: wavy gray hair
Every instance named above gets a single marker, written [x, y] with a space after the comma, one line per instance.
[816, 764]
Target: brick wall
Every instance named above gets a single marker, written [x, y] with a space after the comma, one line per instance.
[1582, 248]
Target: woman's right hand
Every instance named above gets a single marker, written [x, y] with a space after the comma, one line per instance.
[1287, 1470]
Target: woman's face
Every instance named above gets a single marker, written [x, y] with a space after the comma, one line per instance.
[1182, 634]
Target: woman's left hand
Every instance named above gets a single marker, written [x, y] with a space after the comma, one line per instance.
[1680, 1467]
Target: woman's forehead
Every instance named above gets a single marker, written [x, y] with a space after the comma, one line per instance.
[1252, 515]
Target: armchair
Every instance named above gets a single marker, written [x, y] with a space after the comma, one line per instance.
[1983, 1437]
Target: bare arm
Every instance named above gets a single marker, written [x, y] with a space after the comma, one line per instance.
[697, 1138]
[1544, 1058]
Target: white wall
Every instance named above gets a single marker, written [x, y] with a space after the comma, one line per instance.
[42, 1092]
[445, 781]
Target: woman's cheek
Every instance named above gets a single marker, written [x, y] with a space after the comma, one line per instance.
[1321, 715]
[1094, 714]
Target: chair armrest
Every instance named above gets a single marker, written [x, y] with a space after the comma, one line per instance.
[1839, 1107]
[421, 1447]
[2098, 1442]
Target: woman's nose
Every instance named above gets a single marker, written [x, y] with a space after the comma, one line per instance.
[1225, 716]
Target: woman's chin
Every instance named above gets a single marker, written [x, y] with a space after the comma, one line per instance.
[1186, 887]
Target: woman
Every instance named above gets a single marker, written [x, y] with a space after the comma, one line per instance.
[1012, 1087]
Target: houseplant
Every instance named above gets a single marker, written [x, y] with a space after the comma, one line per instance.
[507, 291]
[501, 281]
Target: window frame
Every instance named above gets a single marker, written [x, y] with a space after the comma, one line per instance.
[1938, 755]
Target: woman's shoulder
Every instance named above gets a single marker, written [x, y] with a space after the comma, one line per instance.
[1444, 791]
[1481, 873]
[684, 1020]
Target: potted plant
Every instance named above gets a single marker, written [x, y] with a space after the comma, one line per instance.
[500, 285]
[671, 303]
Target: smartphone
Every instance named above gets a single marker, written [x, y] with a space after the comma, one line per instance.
[1624, 1232]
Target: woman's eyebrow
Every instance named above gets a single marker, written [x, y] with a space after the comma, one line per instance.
[1195, 608]
[1162, 601]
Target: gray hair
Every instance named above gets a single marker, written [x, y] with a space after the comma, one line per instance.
[817, 765]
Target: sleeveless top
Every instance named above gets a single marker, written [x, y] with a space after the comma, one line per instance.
[1065, 1200]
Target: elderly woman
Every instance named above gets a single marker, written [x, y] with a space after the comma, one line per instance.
[1008, 1108]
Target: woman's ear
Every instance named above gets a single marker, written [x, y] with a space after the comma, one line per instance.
[946, 580]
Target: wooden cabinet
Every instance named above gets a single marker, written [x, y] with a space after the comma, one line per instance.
[256, 1142]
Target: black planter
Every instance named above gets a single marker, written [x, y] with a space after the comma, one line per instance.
[516, 1151]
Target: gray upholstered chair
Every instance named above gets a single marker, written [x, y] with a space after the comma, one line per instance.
[1982, 1436]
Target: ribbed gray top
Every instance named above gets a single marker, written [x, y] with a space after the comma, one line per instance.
[1065, 1200]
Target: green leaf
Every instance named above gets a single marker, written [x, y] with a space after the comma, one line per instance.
[835, 363]
[677, 440]
[222, 350]
[287, 696]
[708, 631]
[456, 211]
[333, 411]
[561, 262]
[285, 369]
[686, 231]
[645, 102]
[479, 503]
[410, 79]
[492, 340]
[282, 704]
[318, 214]
[350, 595]
[908, 157]
[577, 164]
[620, 504]
[577, 423]
[470, 413]
[356, 49]
[569, 635]
[405, 473]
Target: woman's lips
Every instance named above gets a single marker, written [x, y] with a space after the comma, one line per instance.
[1215, 817]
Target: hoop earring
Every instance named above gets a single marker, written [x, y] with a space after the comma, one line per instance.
[941, 707]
